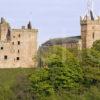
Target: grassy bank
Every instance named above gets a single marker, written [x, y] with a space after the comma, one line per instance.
[13, 82]
[8, 76]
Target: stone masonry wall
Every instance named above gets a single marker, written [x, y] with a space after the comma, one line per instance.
[20, 50]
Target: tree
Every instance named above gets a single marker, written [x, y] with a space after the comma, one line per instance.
[91, 57]
[91, 64]
[41, 85]
[63, 73]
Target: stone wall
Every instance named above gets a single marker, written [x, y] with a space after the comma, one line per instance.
[90, 31]
[20, 50]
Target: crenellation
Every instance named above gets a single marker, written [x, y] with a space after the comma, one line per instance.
[27, 30]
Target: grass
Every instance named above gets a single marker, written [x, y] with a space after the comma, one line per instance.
[8, 76]
[12, 82]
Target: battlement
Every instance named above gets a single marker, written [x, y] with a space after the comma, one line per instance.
[25, 30]
[87, 20]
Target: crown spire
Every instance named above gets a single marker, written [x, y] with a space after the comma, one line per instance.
[90, 5]
[89, 12]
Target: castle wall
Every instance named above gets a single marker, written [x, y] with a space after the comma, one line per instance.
[73, 45]
[20, 50]
[27, 48]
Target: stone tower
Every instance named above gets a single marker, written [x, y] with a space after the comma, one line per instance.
[18, 47]
[90, 27]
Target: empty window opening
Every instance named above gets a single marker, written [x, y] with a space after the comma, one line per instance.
[19, 35]
[93, 35]
[13, 43]
[18, 42]
[1, 48]
[18, 51]
[5, 57]
[18, 58]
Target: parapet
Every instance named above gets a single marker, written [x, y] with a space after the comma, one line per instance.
[87, 20]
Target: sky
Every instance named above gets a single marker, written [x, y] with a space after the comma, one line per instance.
[53, 18]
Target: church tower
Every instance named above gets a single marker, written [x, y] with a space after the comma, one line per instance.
[90, 27]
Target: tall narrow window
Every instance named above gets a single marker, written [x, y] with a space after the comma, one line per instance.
[13, 43]
[93, 35]
[18, 42]
[18, 51]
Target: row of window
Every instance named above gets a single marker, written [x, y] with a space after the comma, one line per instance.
[18, 36]
[6, 57]
[12, 43]
[17, 42]
[2, 49]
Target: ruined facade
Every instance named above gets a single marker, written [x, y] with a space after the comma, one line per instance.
[17, 46]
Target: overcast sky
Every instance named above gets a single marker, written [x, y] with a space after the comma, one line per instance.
[53, 18]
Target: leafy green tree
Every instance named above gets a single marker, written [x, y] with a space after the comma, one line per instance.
[64, 68]
[96, 45]
[63, 72]
[41, 85]
[91, 64]
[91, 57]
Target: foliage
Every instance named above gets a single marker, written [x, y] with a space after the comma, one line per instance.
[40, 83]
[91, 57]
[14, 84]
[96, 45]
[91, 64]
[46, 55]
[63, 72]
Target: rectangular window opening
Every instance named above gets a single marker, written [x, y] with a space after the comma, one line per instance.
[5, 57]
[18, 58]
[13, 43]
[19, 35]
[18, 42]
[1, 48]
[18, 51]
[93, 35]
